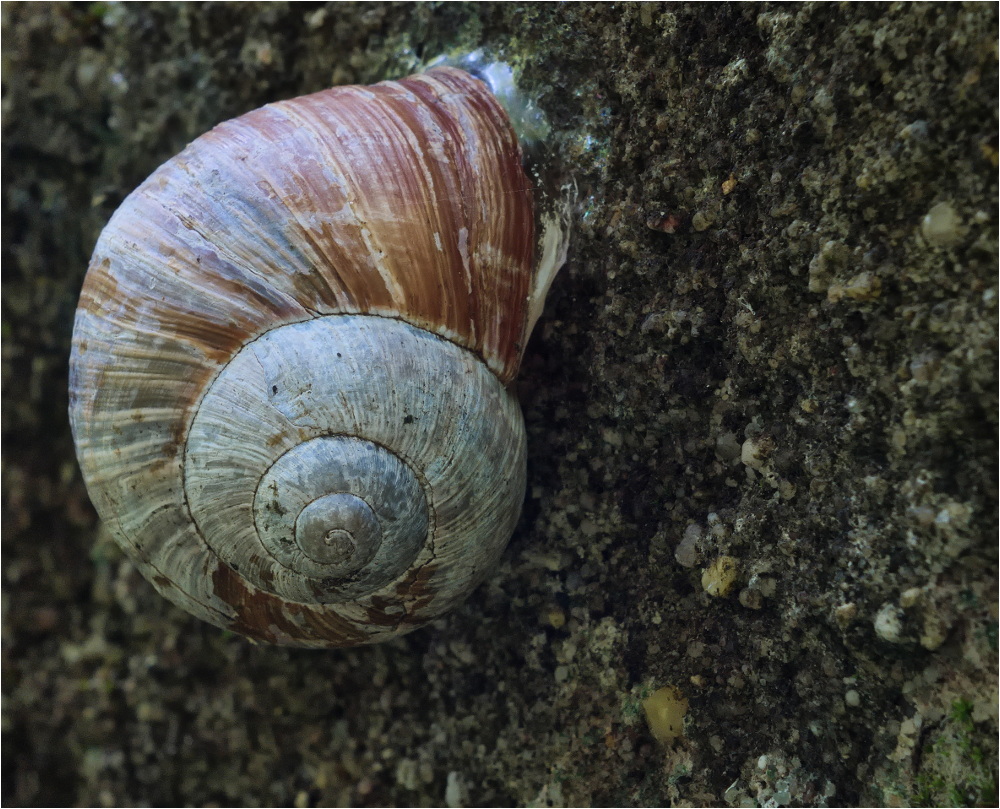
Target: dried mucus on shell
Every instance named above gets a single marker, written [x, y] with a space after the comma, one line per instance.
[291, 359]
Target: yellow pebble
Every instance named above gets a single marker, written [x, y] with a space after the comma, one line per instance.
[720, 577]
[665, 710]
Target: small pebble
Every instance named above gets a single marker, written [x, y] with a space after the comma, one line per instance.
[942, 226]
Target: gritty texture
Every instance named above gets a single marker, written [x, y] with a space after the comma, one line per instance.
[775, 342]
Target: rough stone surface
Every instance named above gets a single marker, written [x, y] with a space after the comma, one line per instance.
[778, 324]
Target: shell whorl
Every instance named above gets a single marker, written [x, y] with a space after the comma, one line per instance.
[290, 358]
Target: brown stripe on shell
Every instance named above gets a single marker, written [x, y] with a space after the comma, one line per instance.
[418, 591]
[266, 617]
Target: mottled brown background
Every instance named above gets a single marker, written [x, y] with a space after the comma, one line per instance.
[755, 351]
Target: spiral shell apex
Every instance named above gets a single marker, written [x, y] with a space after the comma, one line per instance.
[288, 383]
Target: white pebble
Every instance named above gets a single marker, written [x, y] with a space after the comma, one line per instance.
[942, 226]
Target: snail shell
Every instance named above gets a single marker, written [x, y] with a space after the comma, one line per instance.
[288, 382]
